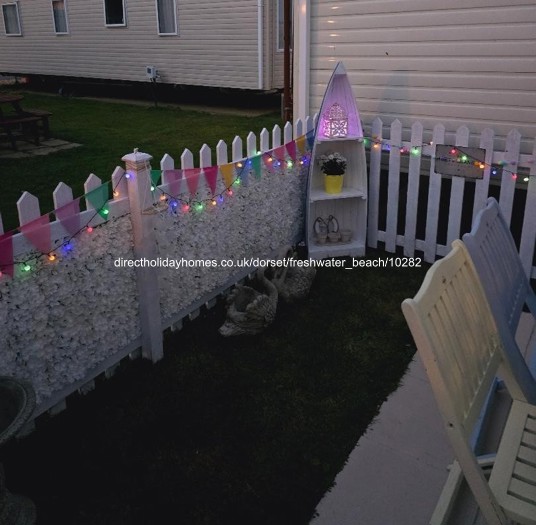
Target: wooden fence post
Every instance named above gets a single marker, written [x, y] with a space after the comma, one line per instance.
[145, 249]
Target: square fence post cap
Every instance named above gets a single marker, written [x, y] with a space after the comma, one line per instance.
[137, 157]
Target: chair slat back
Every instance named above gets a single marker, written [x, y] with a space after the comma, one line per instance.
[495, 256]
[456, 337]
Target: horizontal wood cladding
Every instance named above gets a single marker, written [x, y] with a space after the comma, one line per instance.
[459, 62]
[216, 44]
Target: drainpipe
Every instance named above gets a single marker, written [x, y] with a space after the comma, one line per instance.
[300, 51]
[260, 43]
[287, 77]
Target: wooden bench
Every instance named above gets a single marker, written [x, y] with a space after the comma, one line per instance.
[494, 254]
[461, 348]
[27, 125]
[43, 119]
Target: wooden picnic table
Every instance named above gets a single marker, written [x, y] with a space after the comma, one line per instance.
[26, 121]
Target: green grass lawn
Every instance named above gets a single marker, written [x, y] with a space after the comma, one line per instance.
[107, 131]
[251, 430]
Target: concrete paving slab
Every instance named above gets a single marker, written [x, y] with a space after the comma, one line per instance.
[397, 470]
[27, 149]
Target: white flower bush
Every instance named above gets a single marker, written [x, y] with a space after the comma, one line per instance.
[65, 317]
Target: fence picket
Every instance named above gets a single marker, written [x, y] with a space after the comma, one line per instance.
[221, 153]
[251, 144]
[205, 156]
[119, 183]
[482, 185]
[187, 159]
[412, 201]
[374, 183]
[238, 149]
[456, 192]
[276, 136]
[167, 163]
[528, 234]
[508, 183]
[287, 133]
[298, 127]
[264, 139]
[434, 194]
[28, 207]
[62, 195]
[393, 188]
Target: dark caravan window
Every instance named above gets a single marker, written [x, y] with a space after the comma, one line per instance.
[114, 12]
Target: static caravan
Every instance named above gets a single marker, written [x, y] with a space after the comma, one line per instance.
[216, 43]
[460, 62]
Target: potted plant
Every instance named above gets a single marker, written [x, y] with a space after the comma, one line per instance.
[333, 166]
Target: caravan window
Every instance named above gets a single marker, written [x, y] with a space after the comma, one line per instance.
[60, 16]
[114, 12]
[166, 11]
[10, 13]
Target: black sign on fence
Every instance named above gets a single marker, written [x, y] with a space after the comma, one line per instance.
[460, 161]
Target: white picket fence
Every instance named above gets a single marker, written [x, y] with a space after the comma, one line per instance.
[401, 228]
[401, 218]
[129, 206]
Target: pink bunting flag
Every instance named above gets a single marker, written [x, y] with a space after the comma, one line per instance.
[69, 216]
[291, 149]
[280, 153]
[192, 179]
[6, 253]
[37, 232]
[211, 176]
[173, 178]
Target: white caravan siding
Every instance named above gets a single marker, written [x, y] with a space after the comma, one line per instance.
[457, 62]
[216, 45]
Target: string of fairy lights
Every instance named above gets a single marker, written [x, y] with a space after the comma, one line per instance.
[280, 163]
[174, 203]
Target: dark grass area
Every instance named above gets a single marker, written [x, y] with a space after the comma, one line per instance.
[227, 431]
[107, 132]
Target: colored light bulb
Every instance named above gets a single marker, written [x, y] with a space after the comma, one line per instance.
[89, 229]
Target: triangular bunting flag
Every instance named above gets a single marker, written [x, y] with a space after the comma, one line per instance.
[6, 253]
[37, 232]
[155, 177]
[69, 216]
[192, 179]
[256, 166]
[291, 149]
[310, 139]
[300, 144]
[211, 176]
[280, 153]
[98, 198]
[173, 178]
[227, 172]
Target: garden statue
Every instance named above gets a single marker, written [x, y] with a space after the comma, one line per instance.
[250, 311]
[292, 282]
